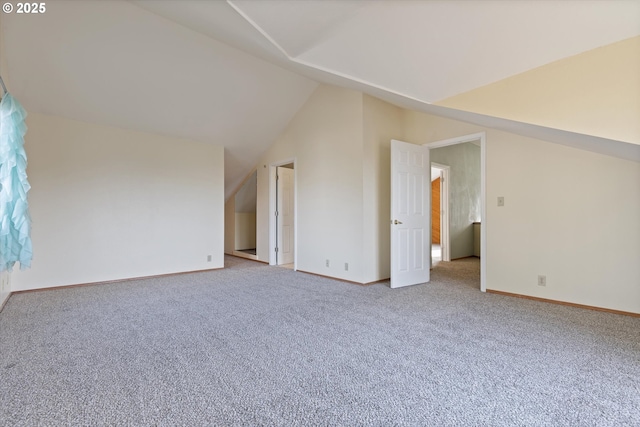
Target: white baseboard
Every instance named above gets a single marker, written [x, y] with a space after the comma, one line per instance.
[3, 299]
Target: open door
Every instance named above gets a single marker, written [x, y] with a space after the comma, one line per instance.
[410, 214]
[286, 215]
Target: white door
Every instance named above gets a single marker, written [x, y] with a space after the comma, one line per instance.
[410, 214]
[285, 214]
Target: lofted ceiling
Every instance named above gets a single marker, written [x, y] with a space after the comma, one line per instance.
[114, 63]
[234, 73]
[431, 50]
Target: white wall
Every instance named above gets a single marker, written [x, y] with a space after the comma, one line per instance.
[245, 230]
[325, 138]
[247, 195]
[569, 214]
[230, 225]
[341, 142]
[382, 122]
[245, 214]
[575, 216]
[558, 219]
[464, 194]
[109, 203]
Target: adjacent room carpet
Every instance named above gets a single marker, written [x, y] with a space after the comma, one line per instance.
[253, 345]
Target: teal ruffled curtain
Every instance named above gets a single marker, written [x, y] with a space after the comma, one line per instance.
[15, 223]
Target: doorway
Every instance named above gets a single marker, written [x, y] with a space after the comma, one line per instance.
[440, 176]
[245, 208]
[478, 211]
[282, 223]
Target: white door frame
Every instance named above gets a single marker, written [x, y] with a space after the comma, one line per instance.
[482, 137]
[445, 173]
[273, 205]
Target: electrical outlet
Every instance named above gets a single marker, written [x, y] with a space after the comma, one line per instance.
[346, 266]
[326, 263]
[208, 258]
[542, 280]
[500, 201]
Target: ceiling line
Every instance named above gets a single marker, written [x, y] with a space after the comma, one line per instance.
[259, 28]
[320, 67]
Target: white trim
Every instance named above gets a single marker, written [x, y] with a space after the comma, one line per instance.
[4, 300]
[272, 208]
[5, 288]
[258, 28]
[482, 136]
[458, 140]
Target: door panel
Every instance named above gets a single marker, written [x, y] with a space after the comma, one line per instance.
[410, 214]
[285, 208]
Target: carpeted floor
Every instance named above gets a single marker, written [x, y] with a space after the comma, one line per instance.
[254, 345]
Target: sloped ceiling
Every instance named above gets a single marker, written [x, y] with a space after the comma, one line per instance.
[113, 63]
[234, 73]
[432, 50]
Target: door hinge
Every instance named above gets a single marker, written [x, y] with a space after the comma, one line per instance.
[276, 250]
[276, 213]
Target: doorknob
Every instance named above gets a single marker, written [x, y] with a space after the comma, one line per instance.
[396, 222]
